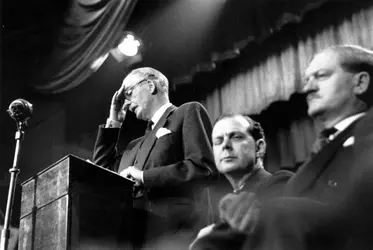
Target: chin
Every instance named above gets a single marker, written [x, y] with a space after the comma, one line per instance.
[226, 168]
[139, 115]
[314, 111]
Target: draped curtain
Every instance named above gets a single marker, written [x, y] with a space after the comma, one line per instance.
[91, 28]
[288, 147]
[279, 76]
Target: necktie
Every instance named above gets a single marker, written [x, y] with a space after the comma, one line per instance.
[323, 139]
[149, 127]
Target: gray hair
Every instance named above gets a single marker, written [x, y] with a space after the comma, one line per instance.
[355, 59]
[160, 80]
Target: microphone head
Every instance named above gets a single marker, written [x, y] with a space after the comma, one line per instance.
[20, 110]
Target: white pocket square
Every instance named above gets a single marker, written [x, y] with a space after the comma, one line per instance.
[350, 141]
[162, 131]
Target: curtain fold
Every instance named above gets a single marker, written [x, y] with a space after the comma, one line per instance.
[91, 28]
[280, 75]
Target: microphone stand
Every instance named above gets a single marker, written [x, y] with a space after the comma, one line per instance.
[14, 171]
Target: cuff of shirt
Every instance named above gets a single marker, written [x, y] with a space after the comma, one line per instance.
[112, 124]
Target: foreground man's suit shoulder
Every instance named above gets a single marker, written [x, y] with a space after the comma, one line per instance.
[185, 153]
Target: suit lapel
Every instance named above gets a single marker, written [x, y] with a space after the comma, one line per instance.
[311, 170]
[150, 139]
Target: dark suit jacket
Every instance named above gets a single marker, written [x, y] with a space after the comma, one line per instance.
[324, 176]
[175, 165]
[261, 182]
[265, 185]
[319, 207]
[312, 212]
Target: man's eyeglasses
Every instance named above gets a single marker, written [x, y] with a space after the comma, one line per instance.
[128, 92]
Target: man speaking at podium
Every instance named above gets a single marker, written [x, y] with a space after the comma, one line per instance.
[170, 164]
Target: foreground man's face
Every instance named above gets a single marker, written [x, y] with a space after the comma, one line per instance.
[234, 148]
[328, 87]
[138, 94]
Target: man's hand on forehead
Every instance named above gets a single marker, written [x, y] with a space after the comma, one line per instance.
[119, 102]
[119, 106]
[121, 92]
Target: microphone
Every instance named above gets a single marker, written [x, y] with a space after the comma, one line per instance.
[20, 110]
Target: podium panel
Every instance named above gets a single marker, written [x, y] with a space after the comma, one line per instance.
[74, 204]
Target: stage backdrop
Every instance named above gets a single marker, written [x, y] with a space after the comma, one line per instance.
[271, 72]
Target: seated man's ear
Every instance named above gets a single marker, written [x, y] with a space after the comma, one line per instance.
[260, 148]
[152, 87]
[361, 82]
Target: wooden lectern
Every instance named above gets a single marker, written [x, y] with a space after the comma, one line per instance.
[74, 204]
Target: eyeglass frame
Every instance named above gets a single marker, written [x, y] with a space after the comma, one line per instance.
[128, 92]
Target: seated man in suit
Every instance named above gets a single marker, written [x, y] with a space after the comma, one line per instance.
[319, 207]
[239, 147]
[170, 164]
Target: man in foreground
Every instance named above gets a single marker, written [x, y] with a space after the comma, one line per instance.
[239, 147]
[170, 164]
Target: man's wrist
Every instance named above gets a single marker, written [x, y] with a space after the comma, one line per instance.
[110, 123]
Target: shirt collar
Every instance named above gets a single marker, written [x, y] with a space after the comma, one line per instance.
[342, 125]
[346, 122]
[158, 114]
[244, 180]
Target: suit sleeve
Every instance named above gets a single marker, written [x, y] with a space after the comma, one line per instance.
[105, 152]
[198, 163]
[284, 223]
[296, 223]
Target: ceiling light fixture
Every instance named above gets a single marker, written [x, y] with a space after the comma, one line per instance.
[129, 46]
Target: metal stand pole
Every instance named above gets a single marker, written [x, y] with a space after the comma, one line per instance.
[14, 171]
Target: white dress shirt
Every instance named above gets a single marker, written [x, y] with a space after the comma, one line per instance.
[158, 114]
[342, 125]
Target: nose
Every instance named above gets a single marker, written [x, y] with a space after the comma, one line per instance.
[227, 144]
[131, 105]
[309, 86]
